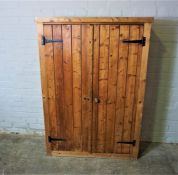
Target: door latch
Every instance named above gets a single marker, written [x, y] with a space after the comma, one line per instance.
[96, 100]
[45, 41]
[142, 41]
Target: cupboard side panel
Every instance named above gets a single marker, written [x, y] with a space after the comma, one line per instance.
[136, 85]
[44, 85]
[141, 88]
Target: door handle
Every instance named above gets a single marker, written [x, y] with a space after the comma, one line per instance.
[96, 100]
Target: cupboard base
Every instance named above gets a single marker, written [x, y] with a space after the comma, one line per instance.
[92, 155]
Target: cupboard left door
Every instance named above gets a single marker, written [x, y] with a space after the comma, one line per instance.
[61, 86]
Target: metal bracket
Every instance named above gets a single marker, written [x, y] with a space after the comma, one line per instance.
[45, 41]
[142, 41]
[129, 142]
[50, 139]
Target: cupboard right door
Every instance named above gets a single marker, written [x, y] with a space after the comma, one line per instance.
[116, 69]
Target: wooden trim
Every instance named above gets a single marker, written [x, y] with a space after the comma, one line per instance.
[91, 155]
[80, 20]
[141, 88]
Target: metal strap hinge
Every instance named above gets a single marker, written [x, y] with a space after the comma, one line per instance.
[50, 139]
[45, 41]
[142, 41]
[128, 142]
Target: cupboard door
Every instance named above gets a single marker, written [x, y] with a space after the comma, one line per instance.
[115, 80]
[68, 78]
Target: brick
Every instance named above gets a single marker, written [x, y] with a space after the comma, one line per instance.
[20, 87]
[167, 9]
[138, 8]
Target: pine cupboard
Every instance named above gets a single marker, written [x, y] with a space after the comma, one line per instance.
[93, 74]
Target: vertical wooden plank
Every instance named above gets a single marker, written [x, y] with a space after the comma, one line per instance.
[103, 80]
[44, 85]
[121, 86]
[76, 62]
[68, 90]
[141, 88]
[112, 82]
[136, 85]
[87, 51]
[50, 75]
[95, 86]
[58, 66]
[130, 87]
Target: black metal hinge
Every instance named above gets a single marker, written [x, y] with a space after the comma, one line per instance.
[130, 142]
[44, 40]
[142, 41]
[50, 139]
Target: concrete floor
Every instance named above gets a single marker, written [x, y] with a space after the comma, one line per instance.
[22, 154]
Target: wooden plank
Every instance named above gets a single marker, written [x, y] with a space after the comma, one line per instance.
[95, 86]
[68, 90]
[141, 89]
[50, 75]
[130, 87]
[103, 82]
[136, 85]
[112, 85]
[44, 85]
[93, 155]
[87, 50]
[76, 62]
[58, 67]
[121, 86]
[94, 19]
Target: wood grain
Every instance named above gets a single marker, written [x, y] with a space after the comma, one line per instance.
[73, 20]
[68, 86]
[50, 74]
[92, 155]
[136, 85]
[59, 82]
[141, 89]
[103, 83]
[130, 87]
[87, 55]
[77, 94]
[121, 86]
[112, 87]
[95, 86]
[44, 86]
[93, 62]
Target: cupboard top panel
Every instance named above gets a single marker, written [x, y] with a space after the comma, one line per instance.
[103, 20]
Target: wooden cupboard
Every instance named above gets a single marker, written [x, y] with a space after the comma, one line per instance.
[93, 73]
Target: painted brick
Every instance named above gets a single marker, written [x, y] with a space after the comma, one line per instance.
[20, 88]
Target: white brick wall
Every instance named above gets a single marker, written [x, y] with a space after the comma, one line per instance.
[20, 93]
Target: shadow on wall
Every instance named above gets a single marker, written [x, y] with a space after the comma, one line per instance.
[159, 109]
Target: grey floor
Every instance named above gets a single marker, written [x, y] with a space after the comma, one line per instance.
[22, 154]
